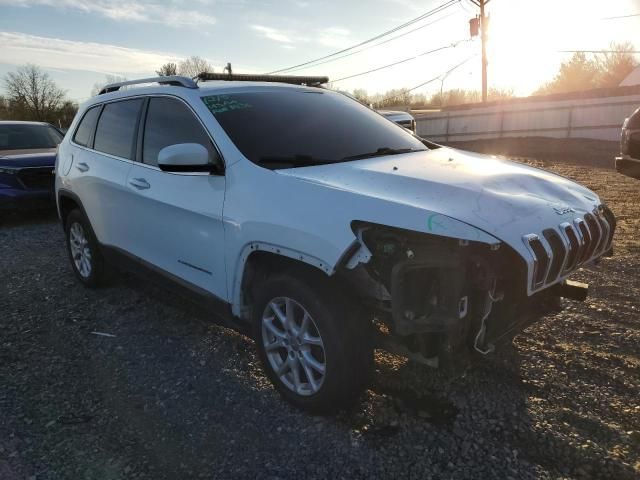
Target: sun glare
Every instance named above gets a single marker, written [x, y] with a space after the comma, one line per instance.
[524, 41]
[521, 52]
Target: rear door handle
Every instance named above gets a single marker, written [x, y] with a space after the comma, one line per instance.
[139, 183]
[83, 167]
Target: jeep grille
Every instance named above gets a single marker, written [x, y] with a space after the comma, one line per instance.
[558, 251]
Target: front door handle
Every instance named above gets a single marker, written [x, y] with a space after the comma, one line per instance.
[139, 183]
[83, 167]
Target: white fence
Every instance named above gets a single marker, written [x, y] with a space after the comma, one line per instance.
[597, 118]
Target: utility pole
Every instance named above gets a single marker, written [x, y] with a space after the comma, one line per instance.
[484, 27]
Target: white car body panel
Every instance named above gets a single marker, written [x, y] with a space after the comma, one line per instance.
[498, 198]
[316, 230]
[176, 225]
[102, 189]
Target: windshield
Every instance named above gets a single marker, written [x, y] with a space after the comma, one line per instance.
[293, 128]
[28, 136]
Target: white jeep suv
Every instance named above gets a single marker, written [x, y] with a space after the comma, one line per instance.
[318, 226]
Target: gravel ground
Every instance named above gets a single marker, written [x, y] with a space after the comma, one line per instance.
[172, 395]
[576, 151]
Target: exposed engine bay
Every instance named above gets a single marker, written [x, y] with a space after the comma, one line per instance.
[438, 299]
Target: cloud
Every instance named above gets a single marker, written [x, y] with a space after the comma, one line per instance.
[173, 15]
[333, 37]
[336, 37]
[272, 34]
[19, 48]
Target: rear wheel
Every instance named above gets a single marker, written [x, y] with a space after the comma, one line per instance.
[84, 253]
[313, 343]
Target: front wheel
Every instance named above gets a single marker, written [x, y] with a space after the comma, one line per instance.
[312, 342]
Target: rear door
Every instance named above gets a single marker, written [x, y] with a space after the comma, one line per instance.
[175, 219]
[105, 147]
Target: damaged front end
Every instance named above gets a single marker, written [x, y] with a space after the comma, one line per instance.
[436, 299]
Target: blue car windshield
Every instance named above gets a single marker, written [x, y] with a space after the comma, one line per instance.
[28, 136]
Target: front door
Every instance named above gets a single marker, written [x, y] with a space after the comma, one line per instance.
[175, 219]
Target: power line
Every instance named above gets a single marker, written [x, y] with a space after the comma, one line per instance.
[621, 16]
[431, 12]
[443, 74]
[335, 59]
[599, 51]
[461, 5]
[453, 45]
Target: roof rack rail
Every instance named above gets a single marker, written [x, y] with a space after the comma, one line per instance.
[248, 77]
[175, 80]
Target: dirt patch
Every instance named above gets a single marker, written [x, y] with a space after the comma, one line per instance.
[585, 152]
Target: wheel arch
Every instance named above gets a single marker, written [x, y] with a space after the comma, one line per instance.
[67, 202]
[258, 259]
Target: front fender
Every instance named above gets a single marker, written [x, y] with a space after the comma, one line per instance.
[239, 270]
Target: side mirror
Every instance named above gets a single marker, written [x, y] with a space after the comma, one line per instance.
[185, 157]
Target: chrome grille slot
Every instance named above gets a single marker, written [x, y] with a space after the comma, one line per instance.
[559, 254]
[542, 260]
[585, 240]
[604, 229]
[611, 220]
[574, 248]
[596, 234]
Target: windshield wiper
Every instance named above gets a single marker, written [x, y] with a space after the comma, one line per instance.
[297, 160]
[382, 151]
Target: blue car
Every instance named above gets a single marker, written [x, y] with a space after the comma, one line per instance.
[27, 160]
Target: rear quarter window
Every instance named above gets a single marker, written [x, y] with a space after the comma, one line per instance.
[87, 126]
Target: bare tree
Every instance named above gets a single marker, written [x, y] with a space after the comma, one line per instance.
[107, 80]
[361, 95]
[193, 66]
[578, 73]
[614, 66]
[167, 69]
[65, 114]
[582, 72]
[5, 113]
[33, 90]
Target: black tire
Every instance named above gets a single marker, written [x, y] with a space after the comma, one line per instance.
[96, 274]
[345, 333]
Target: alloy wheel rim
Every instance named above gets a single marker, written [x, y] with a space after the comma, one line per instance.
[80, 250]
[293, 346]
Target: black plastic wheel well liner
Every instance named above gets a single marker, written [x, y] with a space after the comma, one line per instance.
[67, 202]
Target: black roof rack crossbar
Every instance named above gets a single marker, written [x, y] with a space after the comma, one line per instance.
[248, 77]
[175, 80]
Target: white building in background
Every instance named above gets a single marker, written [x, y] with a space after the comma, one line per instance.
[632, 79]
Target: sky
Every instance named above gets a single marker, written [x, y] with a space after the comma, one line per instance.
[78, 42]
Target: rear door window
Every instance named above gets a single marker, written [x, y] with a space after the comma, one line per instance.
[117, 128]
[169, 121]
[87, 127]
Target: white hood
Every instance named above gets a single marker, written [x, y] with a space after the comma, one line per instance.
[502, 198]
